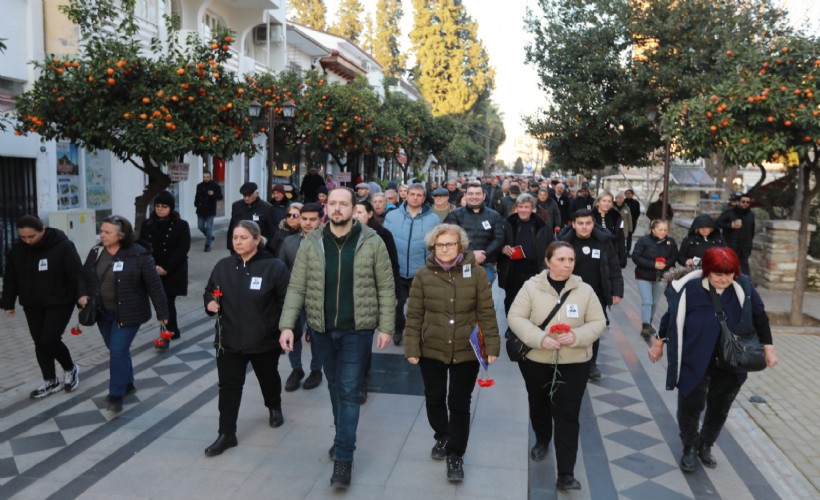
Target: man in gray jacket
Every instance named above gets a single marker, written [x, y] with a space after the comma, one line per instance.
[343, 278]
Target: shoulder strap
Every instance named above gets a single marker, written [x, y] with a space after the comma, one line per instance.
[555, 309]
[719, 314]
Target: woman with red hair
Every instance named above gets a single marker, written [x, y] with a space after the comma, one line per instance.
[691, 329]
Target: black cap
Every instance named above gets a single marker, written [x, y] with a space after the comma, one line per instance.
[533, 184]
[248, 188]
[165, 198]
[441, 192]
[515, 189]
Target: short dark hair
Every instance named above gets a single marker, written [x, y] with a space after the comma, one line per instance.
[343, 188]
[312, 207]
[31, 222]
[581, 212]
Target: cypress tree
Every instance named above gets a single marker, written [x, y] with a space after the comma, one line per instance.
[349, 20]
[386, 38]
[310, 13]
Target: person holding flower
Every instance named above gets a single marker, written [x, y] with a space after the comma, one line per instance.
[653, 255]
[449, 296]
[556, 370]
[246, 291]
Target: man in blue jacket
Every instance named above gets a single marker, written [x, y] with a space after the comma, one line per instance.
[409, 225]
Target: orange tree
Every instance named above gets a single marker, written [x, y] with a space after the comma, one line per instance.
[146, 110]
[768, 109]
[338, 118]
[403, 125]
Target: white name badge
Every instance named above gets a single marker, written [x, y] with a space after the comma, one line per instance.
[255, 218]
[622, 224]
[585, 250]
[43, 265]
[256, 283]
[572, 311]
[117, 266]
[486, 225]
[596, 253]
[466, 271]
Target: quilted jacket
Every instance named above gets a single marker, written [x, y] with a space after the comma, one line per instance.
[374, 294]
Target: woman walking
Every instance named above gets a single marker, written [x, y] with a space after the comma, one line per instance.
[124, 275]
[169, 237]
[609, 218]
[703, 235]
[693, 336]
[43, 269]
[449, 296]
[246, 290]
[556, 370]
[653, 255]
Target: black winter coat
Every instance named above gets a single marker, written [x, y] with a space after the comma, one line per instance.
[694, 244]
[580, 202]
[543, 235]
[137, 281]
[170, 241]
[646, 250]
[260, 211]
[653, 211]
[55, 284]
[489, 238]
[253, 294]
[635, 210]
[563, 203]
[612, 280]
[614, 224]
[206, 203]
[274, 245]
[548, 212]
[741, 238]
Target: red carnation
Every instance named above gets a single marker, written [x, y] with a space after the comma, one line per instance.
[75, 330]
[486, 382]
[217, 293]
[559, 328]
[159, 343]
[660, 259]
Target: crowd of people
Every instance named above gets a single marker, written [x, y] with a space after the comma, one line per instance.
[413, 265]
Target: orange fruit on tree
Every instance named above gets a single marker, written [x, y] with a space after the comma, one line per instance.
[126, 115]
[121, 63]
[160, 93]
[225, 46]
[111, 81]
[181, 71]
[214, 46]
[770, 119]
[744, 140]
[713, 128]
[146, 100]
[90, 78]
[109, 71]
[185, 86]
[787, 123]
[143, 116]
[149, 126]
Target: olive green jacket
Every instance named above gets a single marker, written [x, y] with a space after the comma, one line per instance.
[374, 294]
[443, 308]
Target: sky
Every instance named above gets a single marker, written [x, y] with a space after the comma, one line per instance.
[500, 26]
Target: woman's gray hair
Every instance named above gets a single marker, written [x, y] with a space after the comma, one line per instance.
[526, 198]
[432, 236]
[253, 228]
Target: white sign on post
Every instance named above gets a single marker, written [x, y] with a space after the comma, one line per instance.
[178, 172]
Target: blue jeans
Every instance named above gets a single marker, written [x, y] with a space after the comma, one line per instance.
[343, 354]
[118, 341]
[490, 268]
[206, 227]
[650, 296]
[295, 356]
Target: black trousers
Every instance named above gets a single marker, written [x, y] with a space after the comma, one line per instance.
[231, 368]
[743, 254]
[597, 344]
[563, 411]
[402, 294]
[46, 326]
[172, 325]
[629, 243]
[455, 396]
[716, 392]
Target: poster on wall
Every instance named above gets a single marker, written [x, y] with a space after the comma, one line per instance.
[98, 180]
[68, 176]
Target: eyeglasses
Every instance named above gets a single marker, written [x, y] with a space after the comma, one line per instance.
[294, 216]
[448, 245]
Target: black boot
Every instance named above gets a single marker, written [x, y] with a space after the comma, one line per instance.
[567, 482]
[342, 470]
[455, 468]
[276, 418]
[689, 460]
[294, 380]
[646, 330]
[222, 443]
[539, 451]
[706, 457]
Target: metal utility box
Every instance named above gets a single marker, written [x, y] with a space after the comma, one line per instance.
[79, 225]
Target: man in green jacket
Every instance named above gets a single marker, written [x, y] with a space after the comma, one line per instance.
[343, 278]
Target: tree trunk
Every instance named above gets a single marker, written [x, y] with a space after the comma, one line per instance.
[157, 182]
[808, 193]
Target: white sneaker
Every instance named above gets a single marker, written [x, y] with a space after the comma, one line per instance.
[47, 388]
[72, 378]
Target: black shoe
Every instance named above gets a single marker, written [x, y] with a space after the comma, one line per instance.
[706, 457]
[222, 443]
[313, 380]
[331, 453]
[439, 451]
[594, 372]
[341, 473]
[130, 389]
[276, 418]
[294, 380]
[207, 248]
[114, 404]
[176, 336]
[689, 460]
[455, 468]
[397, 338]
[567, 482]
[539, 451]
[646, 330]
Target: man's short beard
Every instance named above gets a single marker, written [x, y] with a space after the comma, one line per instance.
[342, 222]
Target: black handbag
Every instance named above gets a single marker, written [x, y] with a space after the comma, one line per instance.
[516, 349]
[91, 312]
[740, 351]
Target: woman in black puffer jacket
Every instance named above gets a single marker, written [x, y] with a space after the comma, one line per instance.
[653, 255]
[169, 237]
[702, 236]
[124, 275]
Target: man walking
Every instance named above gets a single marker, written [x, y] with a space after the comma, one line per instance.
[208, 193]
[251, 207]
[484, 227]
[596, 262]
[738, 226]
[343, 279]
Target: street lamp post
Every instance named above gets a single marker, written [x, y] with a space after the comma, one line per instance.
[653, 113]
[288, 111]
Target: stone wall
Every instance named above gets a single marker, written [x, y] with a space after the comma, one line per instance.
[774, 256]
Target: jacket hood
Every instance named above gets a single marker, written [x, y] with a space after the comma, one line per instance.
[261, 254]
[701, 221]
[51, 238]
